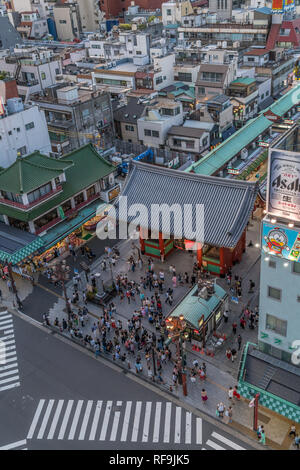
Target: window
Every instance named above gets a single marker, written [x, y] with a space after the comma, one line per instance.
[155, 134]
[12, 197]
[28, 126]
[158, 80]
[39, 192]
[298, 298]
[91, 192]
[129, 128]
[274, 293]
[272, 264]
[251, 59]
[190, 144]
[56, 71]
[204, 141]
[147, 132]
[184, 77]
[18, 129]
[276, 325]
[79, 199]
[43, 76]
[177, 111]
[267, 93]
[169, 13]
[9, 132]
[177, 142]
[62, 21]
[201, 90]
[296, 267]
[22, 150]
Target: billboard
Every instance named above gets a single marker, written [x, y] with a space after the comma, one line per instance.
[281, 241]
[280, 6]
[283, 189]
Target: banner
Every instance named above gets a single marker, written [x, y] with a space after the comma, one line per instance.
[283, 191]
[281, 241]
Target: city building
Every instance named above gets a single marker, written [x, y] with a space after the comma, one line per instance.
[158, 118]
[173, 11]
[60, 199]
[32, 26]
[67, 20]
[188, 140]
[9, 36]
[223, 8]
[33, 68]
[76, 115]
[126, 117]
[244, 98]
[22, 130]
[116, 8]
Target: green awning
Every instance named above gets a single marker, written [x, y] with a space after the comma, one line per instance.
[23, 253]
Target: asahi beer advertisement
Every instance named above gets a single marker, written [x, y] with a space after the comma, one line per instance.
[281, 242]
[283, 197]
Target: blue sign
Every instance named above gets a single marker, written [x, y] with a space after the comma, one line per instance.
[280, 241]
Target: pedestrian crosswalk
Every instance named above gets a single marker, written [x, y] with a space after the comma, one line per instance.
[215, 441]
[19, 445]
[115, 421]
[9, 372]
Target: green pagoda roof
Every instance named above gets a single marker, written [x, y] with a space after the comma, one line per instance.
[30, 172]
[87, 167]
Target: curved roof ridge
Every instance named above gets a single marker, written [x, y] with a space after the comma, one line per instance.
[193, 176]
[36, 165]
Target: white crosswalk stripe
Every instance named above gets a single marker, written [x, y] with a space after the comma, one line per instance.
[123, 421]
[227, 444]
[115, 421]
[18, 445]
[9, 372]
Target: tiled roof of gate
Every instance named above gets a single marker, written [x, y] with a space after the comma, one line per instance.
[227, 203]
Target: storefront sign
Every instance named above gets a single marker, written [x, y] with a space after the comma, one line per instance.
[283, 194]
[281, 241]
[114, 193]
[288, 121]
[263, 144]
[233, 171]
[61, 213]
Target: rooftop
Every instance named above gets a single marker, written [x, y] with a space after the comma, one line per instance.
[87, 167]
[193, 310]
[224, 223]
[186, 131]
[30, 172]
[243, 81]
[257, 52]
[15, 244]
[222, 154]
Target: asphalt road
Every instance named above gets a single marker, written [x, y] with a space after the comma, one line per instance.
[64, 398]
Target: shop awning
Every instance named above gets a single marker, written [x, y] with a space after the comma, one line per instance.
[193, 309]
[65, 227]
[16, 245]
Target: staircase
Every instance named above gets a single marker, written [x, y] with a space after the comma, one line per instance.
[267, 377]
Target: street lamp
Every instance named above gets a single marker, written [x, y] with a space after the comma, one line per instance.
[179, 329]
[62, 274]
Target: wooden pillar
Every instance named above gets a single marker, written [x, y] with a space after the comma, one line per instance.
[161, 247]
[142, 242]
[199, 255]
[244, 241]
[222, 262]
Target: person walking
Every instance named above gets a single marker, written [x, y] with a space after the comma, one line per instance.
[203, 395]
[226, 316]
[251, 286]
[292, 430]
[230, 394]
[221, 409]
[262, 439]
[297, 441]
[234, 327]
[239, 340]
[236, 394]
[233, 354]
[228, 414]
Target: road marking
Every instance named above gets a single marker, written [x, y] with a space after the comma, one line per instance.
[105, 421]
[167, 421]
[188, 427]
[157, 422]
[199, 430]
[10, 358]
[75, 420]
[85, 420]
[126, 421]
[4, 374]
[6, 317]
[214, 445]
[147, 421]
[95, 420]
[6, 324]
[4, 312]
[227, 441]
[45, 420]
[55, 419]
[12, 341]
[136, 423]
[8, 331]
[5, 381]
[177, 425]
[14, 445]
[65, 420]
[35, 419]
[8, 387]
[10, 366]
[4, 338]
[114, 430]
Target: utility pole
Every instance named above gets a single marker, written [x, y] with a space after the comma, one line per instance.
[62, 274]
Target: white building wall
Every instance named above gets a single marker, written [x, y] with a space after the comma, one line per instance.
[166, 64]
[33, 139]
